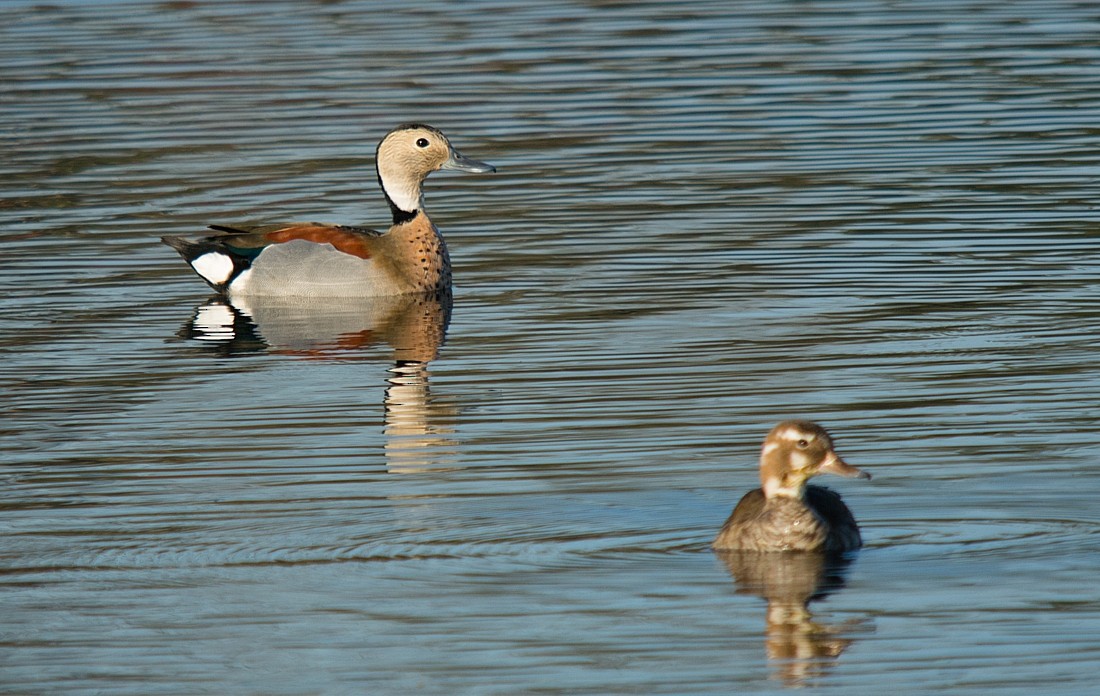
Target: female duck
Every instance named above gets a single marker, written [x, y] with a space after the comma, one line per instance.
[319, 260]
[786, 514]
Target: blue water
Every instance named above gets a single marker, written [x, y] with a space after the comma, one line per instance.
[706, 219]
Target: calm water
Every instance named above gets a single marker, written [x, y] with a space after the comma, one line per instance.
[877, 215]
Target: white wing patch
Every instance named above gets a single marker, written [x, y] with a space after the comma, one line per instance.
[213, 266]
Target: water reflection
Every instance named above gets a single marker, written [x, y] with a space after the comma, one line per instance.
[799, 649]
[417, 427]
[413, 326]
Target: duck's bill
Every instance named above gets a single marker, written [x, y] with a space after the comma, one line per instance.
[465, 164]
[835, 465]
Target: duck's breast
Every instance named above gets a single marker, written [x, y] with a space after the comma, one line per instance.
[779, 524]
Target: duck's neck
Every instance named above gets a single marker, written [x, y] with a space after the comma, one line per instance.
[776, 488]
[404, 195]
[777, 479]
[400, 217]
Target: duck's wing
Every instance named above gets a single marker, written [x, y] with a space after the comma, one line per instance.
[221, 258]
[350, 240]
[842, 524]
[749, 508]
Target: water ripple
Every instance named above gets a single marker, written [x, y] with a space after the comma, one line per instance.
[706, 218]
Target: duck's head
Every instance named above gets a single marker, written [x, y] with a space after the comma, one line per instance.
[407, 155]
[793, 453]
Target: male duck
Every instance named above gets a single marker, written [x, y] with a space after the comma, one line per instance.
[319, 260]
[786, 514]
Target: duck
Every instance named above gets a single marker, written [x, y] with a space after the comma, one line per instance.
[786, 514]
[314, 259]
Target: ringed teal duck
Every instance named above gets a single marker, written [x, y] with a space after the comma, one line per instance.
[320, 260]
[785, 514]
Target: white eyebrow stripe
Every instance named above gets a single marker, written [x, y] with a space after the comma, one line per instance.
[770, 447]
[791, 434]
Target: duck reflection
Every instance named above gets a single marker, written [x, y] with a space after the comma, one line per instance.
[417, 427]
[799, 648]
[413, 326]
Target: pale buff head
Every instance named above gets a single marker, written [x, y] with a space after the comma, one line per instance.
[794, 452]
[407, 155]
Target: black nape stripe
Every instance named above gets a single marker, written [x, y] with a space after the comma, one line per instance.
[402, 216]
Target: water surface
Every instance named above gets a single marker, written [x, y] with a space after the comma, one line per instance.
[706, 219]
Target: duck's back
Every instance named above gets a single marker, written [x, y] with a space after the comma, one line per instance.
[319, 260]
[843, 530]
[822, 522]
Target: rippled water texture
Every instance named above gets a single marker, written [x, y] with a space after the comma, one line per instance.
[707, 217]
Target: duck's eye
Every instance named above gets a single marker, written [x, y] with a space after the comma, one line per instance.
[802, 444]
[422, 142]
